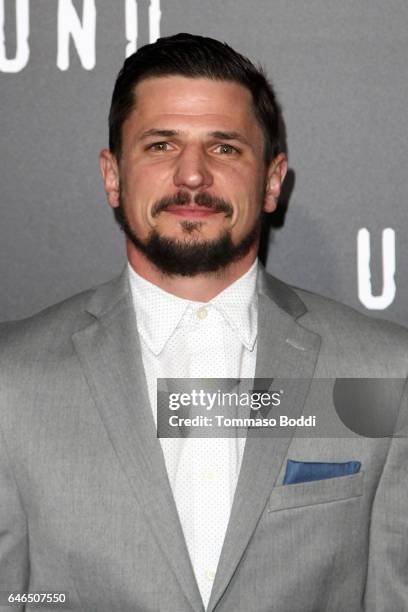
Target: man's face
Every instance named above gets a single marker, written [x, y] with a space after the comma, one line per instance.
[191, 174]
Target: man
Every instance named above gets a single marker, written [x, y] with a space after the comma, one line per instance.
[92, 502]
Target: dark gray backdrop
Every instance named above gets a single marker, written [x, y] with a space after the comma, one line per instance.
[340, 70]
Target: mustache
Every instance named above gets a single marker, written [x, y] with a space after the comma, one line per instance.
[183, 198]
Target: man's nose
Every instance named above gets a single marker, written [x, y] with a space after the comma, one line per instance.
[192, 169]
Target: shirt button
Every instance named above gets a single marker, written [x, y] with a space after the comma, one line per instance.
[210, 574]
[202, 312]
[209, 475]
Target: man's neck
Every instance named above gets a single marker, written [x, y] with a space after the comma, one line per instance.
[199, 288]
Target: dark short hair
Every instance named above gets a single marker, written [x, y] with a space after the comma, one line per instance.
[195, 56]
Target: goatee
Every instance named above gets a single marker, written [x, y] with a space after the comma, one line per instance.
[190, 257]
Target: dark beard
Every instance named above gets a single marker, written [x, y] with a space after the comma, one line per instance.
[189, 258]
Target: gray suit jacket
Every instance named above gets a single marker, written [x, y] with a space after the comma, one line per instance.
[85, 502]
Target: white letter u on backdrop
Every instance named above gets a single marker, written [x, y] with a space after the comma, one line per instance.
[365, 294]
[20, 60]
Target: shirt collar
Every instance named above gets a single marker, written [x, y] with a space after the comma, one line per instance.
[159, 312]
[239, 305]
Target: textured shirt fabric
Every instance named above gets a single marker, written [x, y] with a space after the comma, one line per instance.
[186, 339]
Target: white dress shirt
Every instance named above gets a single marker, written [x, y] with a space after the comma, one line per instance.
[187, 339]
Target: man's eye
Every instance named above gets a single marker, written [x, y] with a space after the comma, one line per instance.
[158, 146]
[227, 149]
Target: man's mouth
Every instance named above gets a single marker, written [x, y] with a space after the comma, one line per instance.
[183, 205]
[191, 210]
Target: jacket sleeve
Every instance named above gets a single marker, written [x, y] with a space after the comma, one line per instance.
[14, 558]
[387, 578]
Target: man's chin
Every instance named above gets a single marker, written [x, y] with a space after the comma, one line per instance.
[188, 239]
[191, 254]
[191, 231]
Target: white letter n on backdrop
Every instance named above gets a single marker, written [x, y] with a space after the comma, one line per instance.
[366, 297]
[132, 25]
[83, 34]
[22, 31]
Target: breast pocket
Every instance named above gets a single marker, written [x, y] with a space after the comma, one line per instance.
[316, 492]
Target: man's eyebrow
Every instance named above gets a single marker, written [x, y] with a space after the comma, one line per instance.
[159, 132]
[222, 135]
[228, 136]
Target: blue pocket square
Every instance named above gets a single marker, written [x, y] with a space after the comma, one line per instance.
[305, 471]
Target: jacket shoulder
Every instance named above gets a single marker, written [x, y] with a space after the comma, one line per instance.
[327, 310]
[362, 341]
[47, 330]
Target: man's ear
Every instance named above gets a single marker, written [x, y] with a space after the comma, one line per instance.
[274, 179]
[110, 176]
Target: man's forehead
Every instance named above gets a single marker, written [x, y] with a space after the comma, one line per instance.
[185, 94]
[193, 100]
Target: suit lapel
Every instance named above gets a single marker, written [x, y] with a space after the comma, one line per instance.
[286, 351]
[110, 354]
